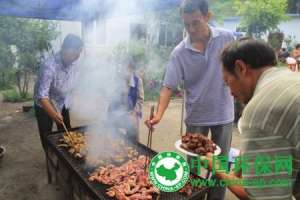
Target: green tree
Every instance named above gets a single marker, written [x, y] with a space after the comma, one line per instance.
[31, 39]
[261, 16]
[7, 59]
[222, 8]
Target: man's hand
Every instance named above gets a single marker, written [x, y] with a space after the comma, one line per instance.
[51, 110]
[209, 158]
[163, 102]
[58, 118]
[151, 122]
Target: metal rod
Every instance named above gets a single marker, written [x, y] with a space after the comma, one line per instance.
[149, 139]
[182, 111]
[65, 128]
[151, 128]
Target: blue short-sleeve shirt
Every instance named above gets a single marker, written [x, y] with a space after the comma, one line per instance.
[208, 99]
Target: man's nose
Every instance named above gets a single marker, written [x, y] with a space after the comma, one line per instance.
[191, 29]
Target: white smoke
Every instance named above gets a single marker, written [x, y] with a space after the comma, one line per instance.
[95, 83]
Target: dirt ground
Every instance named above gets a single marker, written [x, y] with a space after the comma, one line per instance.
[22, 169]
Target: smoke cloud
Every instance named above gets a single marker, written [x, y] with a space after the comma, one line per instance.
[95, 84]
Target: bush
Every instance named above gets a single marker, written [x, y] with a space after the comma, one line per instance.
[5, 87]
[13, 96]
[7, 78]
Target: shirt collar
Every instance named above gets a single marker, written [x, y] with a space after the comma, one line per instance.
[132, 82]
[268, 76]
[59, 61]
[187, 40]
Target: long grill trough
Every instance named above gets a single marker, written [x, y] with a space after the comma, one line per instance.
[72, 174]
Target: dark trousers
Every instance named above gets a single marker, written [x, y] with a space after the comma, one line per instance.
[45, 123]
[220, 135]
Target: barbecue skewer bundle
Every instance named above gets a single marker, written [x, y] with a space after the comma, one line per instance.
[75, 143]
[129, 181]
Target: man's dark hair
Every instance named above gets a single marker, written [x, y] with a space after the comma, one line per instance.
[72, 41]
[297, 46]
[132, 60]
[257, 54]
[190, 6]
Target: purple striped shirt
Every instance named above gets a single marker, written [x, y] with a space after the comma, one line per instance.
[54, 81]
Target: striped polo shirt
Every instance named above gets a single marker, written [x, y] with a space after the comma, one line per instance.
[270, 129]
[208, 99]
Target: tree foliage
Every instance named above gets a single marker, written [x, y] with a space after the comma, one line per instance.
[261, 16]
[222, 8]
[23, 43]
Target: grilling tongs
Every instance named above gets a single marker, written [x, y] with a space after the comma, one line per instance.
[149, 140]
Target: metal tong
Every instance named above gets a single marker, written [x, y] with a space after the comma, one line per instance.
[149, 139]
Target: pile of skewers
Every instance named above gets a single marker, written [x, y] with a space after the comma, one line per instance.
[75, 143]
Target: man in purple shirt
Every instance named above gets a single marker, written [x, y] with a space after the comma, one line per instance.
[196, 62]
[53, 82]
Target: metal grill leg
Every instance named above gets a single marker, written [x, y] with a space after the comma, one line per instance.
[48, 171]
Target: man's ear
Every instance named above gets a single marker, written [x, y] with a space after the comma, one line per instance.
[209, 16]
[240, 68]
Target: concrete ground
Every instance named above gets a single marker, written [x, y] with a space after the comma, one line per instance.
[23, 171]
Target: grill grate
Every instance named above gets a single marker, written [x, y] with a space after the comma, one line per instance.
[98, 190]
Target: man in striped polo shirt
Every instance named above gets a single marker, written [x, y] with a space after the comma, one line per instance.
[195, 63]
[270, 124]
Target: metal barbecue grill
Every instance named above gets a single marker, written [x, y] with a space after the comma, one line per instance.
[72, 174]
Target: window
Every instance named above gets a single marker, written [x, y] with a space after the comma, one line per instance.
[94, 32]
[138, 31]
[294, 6]
[169, 36]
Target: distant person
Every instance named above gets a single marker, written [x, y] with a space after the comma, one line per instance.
[292, 64]
[270, 123]
[296, 53]
[125, 109]
[283, 54]
[195, 61]
[53, 81]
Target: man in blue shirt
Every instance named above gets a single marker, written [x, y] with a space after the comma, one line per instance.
[53, 82]
[196, 62]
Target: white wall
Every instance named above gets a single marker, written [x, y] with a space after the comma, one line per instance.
[108, 32]
[118, 30]
[64, 28]
[291, 27]
[112, 31]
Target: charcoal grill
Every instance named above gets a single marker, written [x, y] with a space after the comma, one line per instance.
[72, 174]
